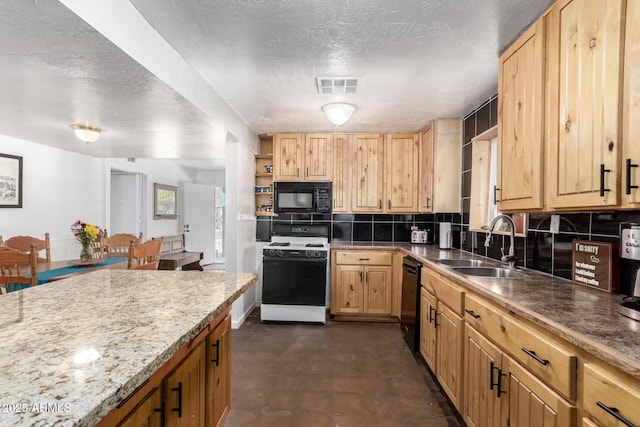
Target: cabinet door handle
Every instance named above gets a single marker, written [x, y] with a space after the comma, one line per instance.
[603, 171]
[431, 316]
[179, 408]
[363, 259]
[495, 194]
[380, 203]
[361, 276]
[492, 381]
[389, 203]
[217, 359]
[615, 412]
[428, 204]
[366, 277]
[629, 167]
[307, 172]
[298, 172]
[535, 356]
[161, 409]
[472, 314]
[435, 318]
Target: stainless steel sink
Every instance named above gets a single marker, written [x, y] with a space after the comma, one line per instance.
[460, 262]
[497, 272]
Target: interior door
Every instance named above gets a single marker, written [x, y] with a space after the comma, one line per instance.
[197, 219]
[127, 203]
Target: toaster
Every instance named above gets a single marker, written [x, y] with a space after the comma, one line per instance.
[419, 236]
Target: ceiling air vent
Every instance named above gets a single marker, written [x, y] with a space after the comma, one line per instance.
[337, 85]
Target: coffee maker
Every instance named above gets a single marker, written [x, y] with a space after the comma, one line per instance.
[630, 269]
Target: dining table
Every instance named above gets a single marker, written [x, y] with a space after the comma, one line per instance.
[58, 270]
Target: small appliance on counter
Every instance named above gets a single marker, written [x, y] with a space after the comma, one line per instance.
[419, 236]
[445, 235]
[630, 269]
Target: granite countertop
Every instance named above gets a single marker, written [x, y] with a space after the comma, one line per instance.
[585, 317]
[130, 322]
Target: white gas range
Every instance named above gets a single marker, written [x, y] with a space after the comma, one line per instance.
[295, 281]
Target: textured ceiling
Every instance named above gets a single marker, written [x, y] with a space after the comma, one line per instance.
[417, 60]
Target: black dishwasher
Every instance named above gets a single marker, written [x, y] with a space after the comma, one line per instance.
[410, 307]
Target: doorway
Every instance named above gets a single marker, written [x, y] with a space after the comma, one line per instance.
[127, 203]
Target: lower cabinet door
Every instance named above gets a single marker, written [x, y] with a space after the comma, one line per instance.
[449, 364]
[348, 290]
[483, 385]
[532, 403]
[377, 293]
[609, 399]
[185, 391]
[428, 342]
[219, 374]
[148, 413]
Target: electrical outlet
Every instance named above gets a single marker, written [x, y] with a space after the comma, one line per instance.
[554, 227]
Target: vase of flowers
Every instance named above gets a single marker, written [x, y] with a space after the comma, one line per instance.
[86, 234]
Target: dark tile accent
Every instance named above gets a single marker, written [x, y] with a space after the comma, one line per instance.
[425, 218]
[401, 232]
[362, 231]
[300, 217]
[466, 184]
[562, 254]
[465, 216]
[467, 240]
[456, 218]
[363, 217]
[443, 217]
[455, 236]
[609, 223]
[575, 223]
[283, 217]
[467, 152]
[383, 232]
[383, 218]
[482, 118]
[469, 128]
[520, 251]
[466, 208]
[493, 117]
[263, 229]
[321, 217]
[403, 218]
[341, 231]
[540, 251]
[343, 217]
[478, 243]
[497, 246]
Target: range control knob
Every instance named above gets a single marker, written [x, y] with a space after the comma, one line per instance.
[280, 252]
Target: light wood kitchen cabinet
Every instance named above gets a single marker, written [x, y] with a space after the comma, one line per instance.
[609, 398]
[218, 380]
[184, 391]
[361, 283]
[440, 166]
[367, 173]
[401, 179]
[521, 82]
[318, 159]
[428, 342]
[341, 173]
[483, 399]
[530, 402]
[288, 157]
[302, 157]
[445, 322]
[585, 53]
[631, 111]
[264, 177]
[148, 413]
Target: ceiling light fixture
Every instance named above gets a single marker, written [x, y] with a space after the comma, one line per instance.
[86, 133]
[338, 113]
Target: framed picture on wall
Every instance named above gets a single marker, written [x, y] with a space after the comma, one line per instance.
[165, 201]
[10, 181]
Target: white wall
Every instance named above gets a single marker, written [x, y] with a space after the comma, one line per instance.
[240, 242]
[214, 178]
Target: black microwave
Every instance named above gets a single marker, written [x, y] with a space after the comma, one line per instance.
[302, 197]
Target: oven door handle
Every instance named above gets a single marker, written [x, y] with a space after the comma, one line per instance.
[308, 260]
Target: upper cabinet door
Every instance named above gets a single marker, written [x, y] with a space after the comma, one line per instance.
[340, 191]
[585, 56]
[288, 157]
[631, 111]
[520, 122]
[318, 157]
[401, 159]
[367, 165]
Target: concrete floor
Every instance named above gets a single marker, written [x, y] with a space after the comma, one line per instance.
[341, 374]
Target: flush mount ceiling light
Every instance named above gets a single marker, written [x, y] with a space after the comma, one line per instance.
[338, 113]
[86, 133]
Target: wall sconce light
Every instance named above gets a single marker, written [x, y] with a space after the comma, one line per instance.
[86, 133]
[338, 113]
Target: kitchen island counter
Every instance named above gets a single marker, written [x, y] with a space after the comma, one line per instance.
[71, 351]
[585, 317]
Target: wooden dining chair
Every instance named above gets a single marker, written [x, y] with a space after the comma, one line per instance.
[117, 246]
[145, 256]
[24, 243]
[18, 268]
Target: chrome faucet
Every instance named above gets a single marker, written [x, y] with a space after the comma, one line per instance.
[512, 259]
